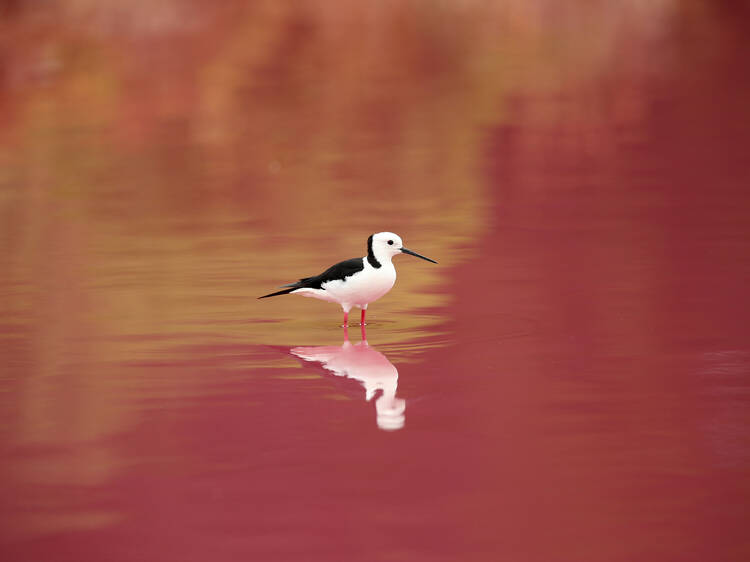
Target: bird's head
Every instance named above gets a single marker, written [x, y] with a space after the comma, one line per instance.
[385, 245]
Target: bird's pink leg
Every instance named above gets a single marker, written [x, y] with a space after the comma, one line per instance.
[362, 321]
[364, 332]
[346, 319]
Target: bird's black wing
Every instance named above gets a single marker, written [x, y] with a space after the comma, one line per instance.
[340, 271]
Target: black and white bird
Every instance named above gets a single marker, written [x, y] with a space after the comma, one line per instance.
[358, 281]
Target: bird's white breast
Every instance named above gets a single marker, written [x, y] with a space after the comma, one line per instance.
[364, 286]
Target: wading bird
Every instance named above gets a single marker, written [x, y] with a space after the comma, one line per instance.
[358, 281]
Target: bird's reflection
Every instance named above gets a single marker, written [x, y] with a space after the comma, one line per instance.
[367, 365]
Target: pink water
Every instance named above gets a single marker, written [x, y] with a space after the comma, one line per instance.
[572, 382]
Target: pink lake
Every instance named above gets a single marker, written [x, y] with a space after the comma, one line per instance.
[571, 382]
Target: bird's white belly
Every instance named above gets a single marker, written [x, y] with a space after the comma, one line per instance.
[362, 288]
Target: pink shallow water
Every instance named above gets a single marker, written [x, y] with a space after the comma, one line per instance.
[570, 383]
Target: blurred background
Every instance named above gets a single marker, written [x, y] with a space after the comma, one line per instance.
[576, 371]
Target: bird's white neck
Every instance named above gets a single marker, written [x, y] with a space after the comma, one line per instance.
[383, 258]
[376, 260]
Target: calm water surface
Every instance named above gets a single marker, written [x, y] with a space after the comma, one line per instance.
[572, 382]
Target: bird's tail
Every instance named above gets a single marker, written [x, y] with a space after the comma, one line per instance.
[284, 292]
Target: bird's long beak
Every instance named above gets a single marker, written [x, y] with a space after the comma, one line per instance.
[407, 251]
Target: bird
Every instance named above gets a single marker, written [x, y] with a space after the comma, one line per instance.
[358, 281]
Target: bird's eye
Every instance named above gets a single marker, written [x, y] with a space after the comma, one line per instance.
[390, 242]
